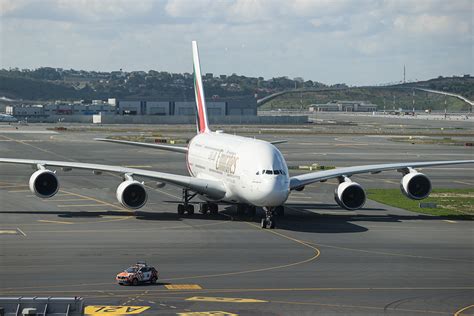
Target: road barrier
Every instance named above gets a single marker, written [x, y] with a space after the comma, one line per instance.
[44, 306]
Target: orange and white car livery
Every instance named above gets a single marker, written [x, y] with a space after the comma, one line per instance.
[136, 274]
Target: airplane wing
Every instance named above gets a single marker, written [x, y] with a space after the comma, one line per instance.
[177, 149]
[305, 179]
[211, 188]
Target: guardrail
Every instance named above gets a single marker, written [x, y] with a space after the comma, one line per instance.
[41, 306]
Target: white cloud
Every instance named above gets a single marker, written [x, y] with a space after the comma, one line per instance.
[329, 41]
[197, 9]
[431, 24]
[7, 6]
[104, 9]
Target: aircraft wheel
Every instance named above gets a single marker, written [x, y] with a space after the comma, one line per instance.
[180, 209]
[213, 209]
[190, 209]
[271, 224]
[263, 223]
[204, 208]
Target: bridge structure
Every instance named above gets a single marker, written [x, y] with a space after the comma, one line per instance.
[270, 97]
[470, 102]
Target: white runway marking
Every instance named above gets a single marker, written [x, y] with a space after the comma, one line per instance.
[26, 132]
[21, 232]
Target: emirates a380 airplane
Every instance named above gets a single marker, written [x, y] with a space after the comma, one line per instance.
[231, 169]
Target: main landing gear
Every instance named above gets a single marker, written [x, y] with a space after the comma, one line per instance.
[187, 208]
[269, 220]
[210, 208]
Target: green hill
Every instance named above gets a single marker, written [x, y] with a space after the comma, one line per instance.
[46, 84]
[34, 89]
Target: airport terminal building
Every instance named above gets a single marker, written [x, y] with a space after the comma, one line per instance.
[115, 107]
[239, 110]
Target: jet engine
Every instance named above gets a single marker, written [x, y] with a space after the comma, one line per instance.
[349, 195]
[415, 185]
[44, 183]
[132, 194]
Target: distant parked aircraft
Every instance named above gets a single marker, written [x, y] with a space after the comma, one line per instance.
[7, 118]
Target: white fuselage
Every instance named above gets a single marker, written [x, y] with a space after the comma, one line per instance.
[253, 171]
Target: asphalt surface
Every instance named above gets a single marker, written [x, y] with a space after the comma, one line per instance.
[320, 259]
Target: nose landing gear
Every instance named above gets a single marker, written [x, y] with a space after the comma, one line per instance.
[270, 213]
[269, 220]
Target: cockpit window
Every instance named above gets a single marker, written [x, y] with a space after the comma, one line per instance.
[276, 172]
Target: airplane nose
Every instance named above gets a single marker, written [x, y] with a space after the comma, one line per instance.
[274, 192]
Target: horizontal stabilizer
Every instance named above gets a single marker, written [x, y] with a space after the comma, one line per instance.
[177, 149]
[276, 142]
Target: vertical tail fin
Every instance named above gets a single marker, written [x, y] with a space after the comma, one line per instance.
[201, 114]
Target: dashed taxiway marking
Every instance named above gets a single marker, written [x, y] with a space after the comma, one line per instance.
[224, 299]
[8, 232]
[449, 221]
[54, 222]
[183, 287]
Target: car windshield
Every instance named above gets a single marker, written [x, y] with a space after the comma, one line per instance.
[131, 270]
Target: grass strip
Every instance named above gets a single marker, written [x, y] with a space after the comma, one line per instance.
[452, 203]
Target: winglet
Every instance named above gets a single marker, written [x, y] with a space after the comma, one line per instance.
[201, 114]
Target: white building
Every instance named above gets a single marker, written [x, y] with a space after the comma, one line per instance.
[24, 110]
[344, 106]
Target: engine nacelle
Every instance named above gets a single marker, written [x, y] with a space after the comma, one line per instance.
[44, 183]
[132, 194]
[415, 185]
[350, 195]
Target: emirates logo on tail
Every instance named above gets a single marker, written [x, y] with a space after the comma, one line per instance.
[201, 114]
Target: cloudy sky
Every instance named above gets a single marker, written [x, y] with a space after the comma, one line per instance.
[331, 41]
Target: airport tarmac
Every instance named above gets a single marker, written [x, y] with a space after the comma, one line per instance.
[320, 260]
